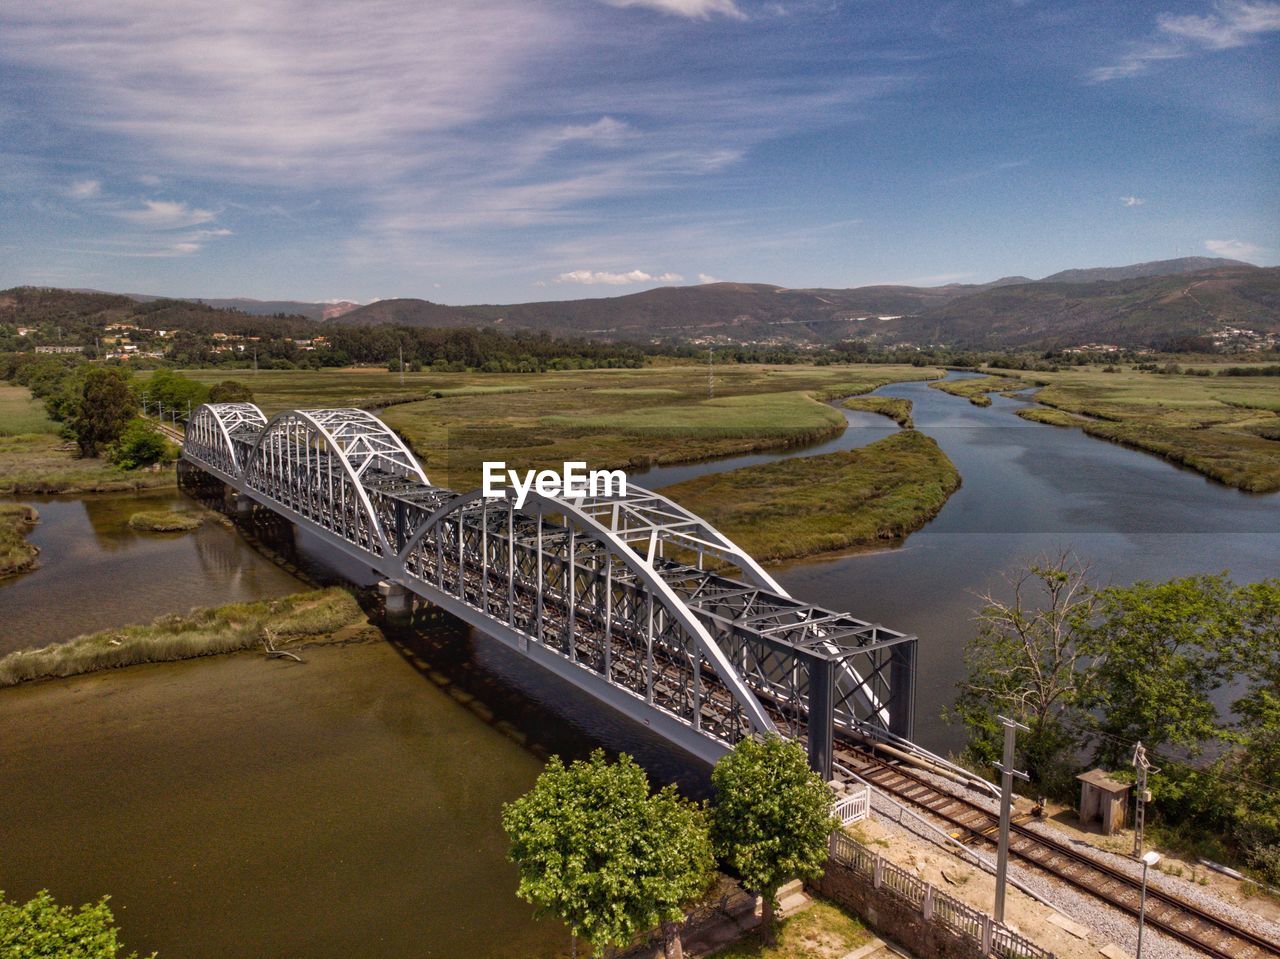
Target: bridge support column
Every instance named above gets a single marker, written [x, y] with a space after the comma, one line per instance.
[902, 689]
[822, 684]
[398, 600]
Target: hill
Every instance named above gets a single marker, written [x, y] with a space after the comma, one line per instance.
[1186, 264]
[1162, 304]
[1150, 311]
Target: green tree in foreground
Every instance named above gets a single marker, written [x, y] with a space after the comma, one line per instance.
[104, 406]
[141, 444]
[1026, 663]
[42, 929]
[600, 853]
[1161, 650]
[230, 391]
[772, 817]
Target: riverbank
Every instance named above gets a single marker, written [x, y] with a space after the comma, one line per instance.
[311, 617]
[16, 554]
[1221, 426]
[818, 504]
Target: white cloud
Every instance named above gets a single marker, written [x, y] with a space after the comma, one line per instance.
[165, 215]
[1132, 201]
[84, 189]
[693, 9]
[1233, 249]
[597, 277]
[707, 278]
[1234, 23]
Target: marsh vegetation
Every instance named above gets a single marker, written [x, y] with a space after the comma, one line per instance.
[816, 504]
[312, 616]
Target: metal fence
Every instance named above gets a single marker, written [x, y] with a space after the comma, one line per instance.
[973, 925]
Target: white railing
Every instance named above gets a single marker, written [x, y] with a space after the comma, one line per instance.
[853, 803]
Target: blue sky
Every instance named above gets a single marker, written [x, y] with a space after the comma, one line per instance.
[507, 150]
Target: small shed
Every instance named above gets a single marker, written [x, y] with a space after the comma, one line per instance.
[1104, 799]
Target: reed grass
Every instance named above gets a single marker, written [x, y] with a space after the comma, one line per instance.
[16, 554]
[311, 616]
[163, 521]
[897, 409]
[976, 390]
[836, 501]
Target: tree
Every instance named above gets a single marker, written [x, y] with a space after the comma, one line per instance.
[1026, 663]
[105, 405]
[140, 444]
[42, 929]
[230, 391]
[772, 817]
[1160, 651]
[1257, 764]
[175, 391]
[596, 850]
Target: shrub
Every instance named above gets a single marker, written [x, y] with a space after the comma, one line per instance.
[141, 444]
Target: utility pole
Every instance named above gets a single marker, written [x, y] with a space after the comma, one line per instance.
[402, 364]
[255, 360]
[1007, 772]
[711, 383]
[1143, 767]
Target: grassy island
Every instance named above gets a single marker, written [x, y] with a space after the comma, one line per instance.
[163, 521]
[976, 390]
[898, 410]
[315, 616]
[817, 504]
[16, 554]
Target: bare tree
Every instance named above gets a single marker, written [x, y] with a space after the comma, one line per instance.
[1027, 662]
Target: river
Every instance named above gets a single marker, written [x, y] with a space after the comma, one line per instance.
[349, 806]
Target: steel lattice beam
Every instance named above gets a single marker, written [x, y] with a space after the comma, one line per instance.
[610, 592]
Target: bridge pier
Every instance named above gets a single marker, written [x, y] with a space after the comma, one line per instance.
[398, 600]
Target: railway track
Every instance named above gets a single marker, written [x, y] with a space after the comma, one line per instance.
[1185, 921]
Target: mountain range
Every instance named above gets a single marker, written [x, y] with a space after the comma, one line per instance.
[1155, 304]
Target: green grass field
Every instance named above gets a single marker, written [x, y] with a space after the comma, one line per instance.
[20, 415]
[1217, 425]
[609, 418]
[816, 504]
[34, 459]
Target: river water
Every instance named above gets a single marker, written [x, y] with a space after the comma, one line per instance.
[350, 806]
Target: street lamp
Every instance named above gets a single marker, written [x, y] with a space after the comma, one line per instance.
[1149, 859]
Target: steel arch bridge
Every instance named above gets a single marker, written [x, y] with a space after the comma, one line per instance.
[616, 594]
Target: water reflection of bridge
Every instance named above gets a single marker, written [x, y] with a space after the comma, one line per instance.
[615, 594]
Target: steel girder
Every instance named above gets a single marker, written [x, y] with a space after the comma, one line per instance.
[609, 592]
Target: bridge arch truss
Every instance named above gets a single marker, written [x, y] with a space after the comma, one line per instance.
[630, 597]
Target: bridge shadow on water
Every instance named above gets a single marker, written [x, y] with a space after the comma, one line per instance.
[496, 685]
[537, 709]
